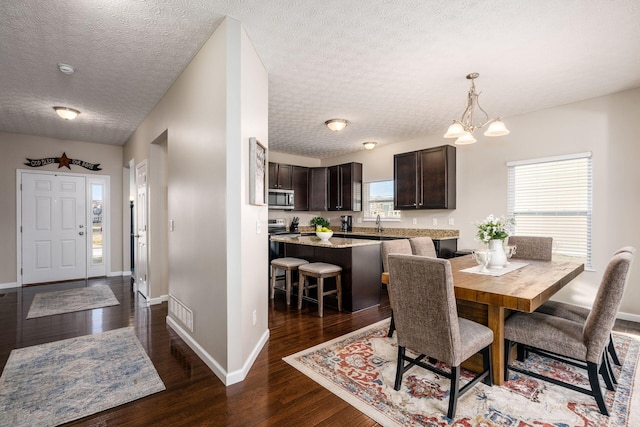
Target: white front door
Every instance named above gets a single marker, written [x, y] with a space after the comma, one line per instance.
[141, 258]
[54, 237]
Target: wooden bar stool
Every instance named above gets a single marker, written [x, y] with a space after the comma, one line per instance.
[288, 265]
[319, 270]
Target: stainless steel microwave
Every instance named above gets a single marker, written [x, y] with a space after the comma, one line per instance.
[281, 199]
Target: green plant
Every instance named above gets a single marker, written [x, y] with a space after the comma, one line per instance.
[493, 228]
[318, 221]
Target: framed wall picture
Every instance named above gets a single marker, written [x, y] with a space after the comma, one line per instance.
[257, 173]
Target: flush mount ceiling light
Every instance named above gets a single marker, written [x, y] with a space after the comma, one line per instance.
[463, 129]
[336, 124]
[66, 112]
[369, 145]
[66, 68]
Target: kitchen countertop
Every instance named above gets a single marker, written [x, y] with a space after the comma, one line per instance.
[333, 242]
[401, 233]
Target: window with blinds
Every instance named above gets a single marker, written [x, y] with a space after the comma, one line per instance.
[552, 197]
[378, 200]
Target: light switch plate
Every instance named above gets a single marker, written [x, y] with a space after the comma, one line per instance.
[415, 221]
[451, 222]
[170, 225]
[258, 227]
[435, 221]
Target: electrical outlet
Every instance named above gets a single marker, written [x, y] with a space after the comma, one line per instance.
[258, 227]
[255, 318]
[415, 221]
[451, 221]
[435, 221]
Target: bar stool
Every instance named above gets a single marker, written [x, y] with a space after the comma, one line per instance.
[319, 270]
[287, 264]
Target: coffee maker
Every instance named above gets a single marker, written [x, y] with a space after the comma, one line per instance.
[346, 223]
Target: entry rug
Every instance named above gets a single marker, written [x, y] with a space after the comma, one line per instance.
[54, 383]
[70, 300]
[360, 368]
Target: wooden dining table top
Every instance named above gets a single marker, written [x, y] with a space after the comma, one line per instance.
[524, 289]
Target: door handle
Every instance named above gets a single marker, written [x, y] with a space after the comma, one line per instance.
[81, 233]
[81, 226]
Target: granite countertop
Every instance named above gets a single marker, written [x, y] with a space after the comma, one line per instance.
[438, 234]
[334, 242]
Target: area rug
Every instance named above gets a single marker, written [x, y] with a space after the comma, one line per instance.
[70, 300]
[360, 368]
[54, 383]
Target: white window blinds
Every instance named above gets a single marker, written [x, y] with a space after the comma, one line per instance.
[552, 197]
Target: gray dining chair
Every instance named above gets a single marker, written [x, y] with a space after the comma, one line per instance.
[581, 344]
[398, 246]
[532, 247]
[579, 314]
[427, 322]
[423, 246]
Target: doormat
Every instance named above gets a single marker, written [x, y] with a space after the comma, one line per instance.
[360, 368]
[70, 300]
[54, 383]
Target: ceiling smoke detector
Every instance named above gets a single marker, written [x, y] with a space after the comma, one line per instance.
[66, 68]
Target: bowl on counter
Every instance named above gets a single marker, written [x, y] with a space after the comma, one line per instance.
[324, 235]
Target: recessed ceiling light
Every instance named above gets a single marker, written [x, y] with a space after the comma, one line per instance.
[66, 112]
[66, 68]
[336, 124]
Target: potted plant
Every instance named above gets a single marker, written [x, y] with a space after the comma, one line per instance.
[319, 222]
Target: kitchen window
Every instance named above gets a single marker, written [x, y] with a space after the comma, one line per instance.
[552, 197]
[378, 200]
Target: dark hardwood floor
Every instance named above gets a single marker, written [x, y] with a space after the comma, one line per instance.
[273, 393]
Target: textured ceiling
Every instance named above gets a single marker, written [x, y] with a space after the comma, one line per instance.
[394, 68]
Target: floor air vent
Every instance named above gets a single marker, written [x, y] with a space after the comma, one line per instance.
[181, 312]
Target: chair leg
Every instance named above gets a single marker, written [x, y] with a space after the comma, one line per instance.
[606, 374]
[592, 369]
[339, 288]
[301, 281]
[287, 282]
[392, 326]
[507, 352]
[273, 281]
[487, 366]
[612, 351]
[399, 368]
[453, 393]
[521, 352]
[320, 295]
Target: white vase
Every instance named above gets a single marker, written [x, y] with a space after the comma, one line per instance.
[498, 257]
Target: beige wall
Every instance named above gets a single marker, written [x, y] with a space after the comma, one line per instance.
[608, 126]
[209, 113]
[16, 149]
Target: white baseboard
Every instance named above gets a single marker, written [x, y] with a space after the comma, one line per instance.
[158, 300]
[9, 285]
[226, 378]
[119, 273]
[629, 316]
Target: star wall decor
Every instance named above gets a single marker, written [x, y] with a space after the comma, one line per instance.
[62, 161]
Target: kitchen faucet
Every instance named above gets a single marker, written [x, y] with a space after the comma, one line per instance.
[380, 229]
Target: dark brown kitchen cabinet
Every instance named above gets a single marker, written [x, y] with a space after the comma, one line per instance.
[280, 176]
[425, 179]
[344, 187]
[318, 189]
[300, 183]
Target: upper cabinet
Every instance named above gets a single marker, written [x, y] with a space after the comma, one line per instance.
[318, 189]
[280, 176]
[425, 179]
[300, 183]
[344, 187]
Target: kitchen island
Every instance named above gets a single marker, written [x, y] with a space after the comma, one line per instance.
[360, 261]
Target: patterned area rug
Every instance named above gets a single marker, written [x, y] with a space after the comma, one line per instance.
[360, 368]
[54, 383]
[70, 300]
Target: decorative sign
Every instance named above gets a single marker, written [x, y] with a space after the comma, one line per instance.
[258, 173]
[63, 161]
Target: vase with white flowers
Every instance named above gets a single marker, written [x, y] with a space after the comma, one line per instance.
[493, 230]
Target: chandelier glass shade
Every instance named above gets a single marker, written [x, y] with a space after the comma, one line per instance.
[463, 129]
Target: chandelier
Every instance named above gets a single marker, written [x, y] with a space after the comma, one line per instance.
[463, 129]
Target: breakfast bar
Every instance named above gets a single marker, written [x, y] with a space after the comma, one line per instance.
[360, 261]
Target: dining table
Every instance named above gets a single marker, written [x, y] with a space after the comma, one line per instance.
[490, 299]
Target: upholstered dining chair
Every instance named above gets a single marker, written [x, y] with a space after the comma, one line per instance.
[579, 314]
[580, 344]
[427, 322]
[398, 246]
[532, 247]
[423, 246]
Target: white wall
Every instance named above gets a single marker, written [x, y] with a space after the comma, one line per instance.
[608, 126]
[207, 124]
[16, 149]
